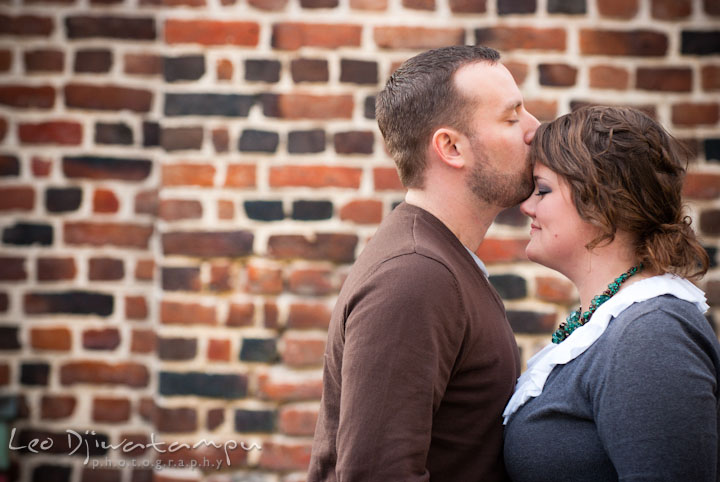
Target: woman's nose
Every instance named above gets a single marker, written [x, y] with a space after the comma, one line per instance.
[528, 206]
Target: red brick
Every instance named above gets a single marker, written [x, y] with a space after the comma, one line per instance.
[362, 211]
[178, 209]
[712, 7]
[376, 5]
[102, 339]
[6, 57]
[308, 316]
[41, 97]
[54, 269]
[147, 202]
[519, 71]
[315, 176]
[3, 129]
[494, 250]
[289, 386]
[704, 186]
[557, 75]
[270, 5]
[543, 110]
[241, 314]
[264, 280]
[293, 35]
[111, 410]
[637, 43]
[241, 176]
[387, 179]
[143, 64]
[54, 407]
[554, 289]
[218, 350]
[105, 201]
[671, 9]
[142, 341]
[212, 32]
[54, 339]
[225, 209]
[221, 275]
[215, 418]
[133, 375]
[221, 139]
[176, 313]
[180, 419]
[271, 315]
[712, 289]
[224, 69]
[17, 198]
[12, 269]
[106, 269]
[145, 270]
[41, 167]
[107, 97]
[297, 421]
[308, 106]
[207, 244]
[303, 352]
[618, 8]
[417, 37]
[609, 77]
[468, 6]
[44, 60]
[26, 25]
[173, 3]
[419, 4]
[339, 248]
[695, 114]
[136, 308]
[312, 282]
[711, 77]
[665, 79]
[188, 175]
[102, 234]
[278, 456]
[523, 38]
[4, 374]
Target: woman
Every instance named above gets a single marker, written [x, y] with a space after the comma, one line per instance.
[628, 390]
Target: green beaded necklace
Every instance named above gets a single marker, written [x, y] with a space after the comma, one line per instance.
[574, 320]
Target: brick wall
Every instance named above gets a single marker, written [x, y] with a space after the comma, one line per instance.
[184, 185]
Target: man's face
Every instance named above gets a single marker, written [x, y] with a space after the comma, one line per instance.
[500, 132]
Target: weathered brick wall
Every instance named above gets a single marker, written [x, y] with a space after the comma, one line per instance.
[184, 185]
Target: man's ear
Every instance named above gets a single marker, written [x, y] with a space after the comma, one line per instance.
[445, 144]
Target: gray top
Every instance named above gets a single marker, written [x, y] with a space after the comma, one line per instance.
[642, 403]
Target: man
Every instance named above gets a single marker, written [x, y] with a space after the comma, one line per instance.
[420, 358]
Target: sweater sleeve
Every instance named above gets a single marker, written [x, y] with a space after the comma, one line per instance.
[656, 405]
[402, 334]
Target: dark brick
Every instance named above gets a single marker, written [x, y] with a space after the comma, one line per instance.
[26, 25]
[354, 142]
[73, 302]
[710, 222]
[4, 302]
[208, 244]
[339, 248]
[44, 60]
[369, 107]
[51, 473]
[309, 70]
[531, 322]
[270, 104]
[557, 75]
[181, 138]
[9, 339]
[305, 142]
[188, 67]
[34, 374]
[180, 279]
[712, 254]
[509, 7]
[100, 474]
[130, 28]
[106, 269]
[258, 141]
[664, 79]
[509, 286]
[9, 165]
[264, 210]
[262, 70]
[102, 339]
[118, 134]
[177, 348]
[175, 420]
[107, 97]
[694, 42]
[26, 234]
[312, 210]
[215, 418]
[225, 105]
[203, 384]
[23, 96]
[570, 7]
[318, 3]
[151, 134]
[12, 269]
[259, 350]
[712, 149]
[106, 168]
[358, 71]
[255, 421]
[93, 61]
[61, 199]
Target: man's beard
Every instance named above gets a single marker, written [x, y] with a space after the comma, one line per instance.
[495, 188]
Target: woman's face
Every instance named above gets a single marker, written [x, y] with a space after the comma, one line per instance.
[558, 235]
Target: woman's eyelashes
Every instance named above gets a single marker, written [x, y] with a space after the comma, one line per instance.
[542, 190]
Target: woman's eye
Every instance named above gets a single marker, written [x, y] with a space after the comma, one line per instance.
[542, 191]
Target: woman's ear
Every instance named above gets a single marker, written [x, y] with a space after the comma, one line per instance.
[447, 146]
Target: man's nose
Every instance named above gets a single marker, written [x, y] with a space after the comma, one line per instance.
[532, 125]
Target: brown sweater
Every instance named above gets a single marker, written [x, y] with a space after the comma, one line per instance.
[419, 364]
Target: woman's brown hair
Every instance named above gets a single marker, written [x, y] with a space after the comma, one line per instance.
[625, 172]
